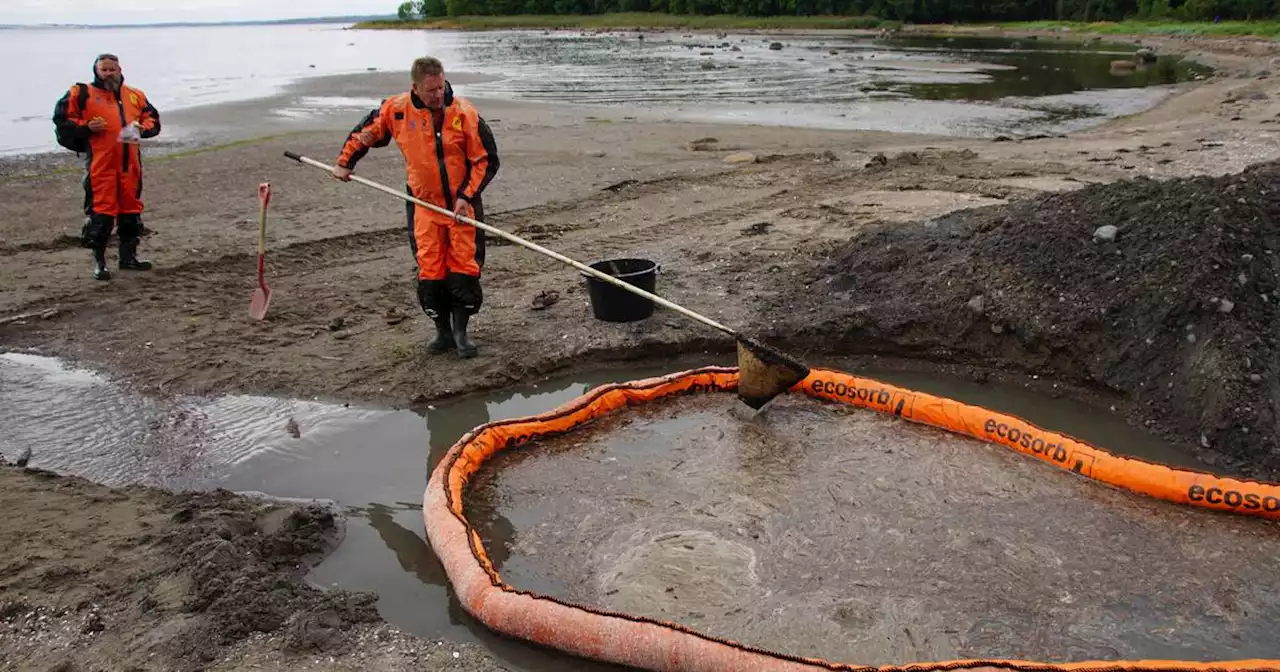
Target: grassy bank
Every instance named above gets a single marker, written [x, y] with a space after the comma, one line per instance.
[1268, 28]
[635, 20]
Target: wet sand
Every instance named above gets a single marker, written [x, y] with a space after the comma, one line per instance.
[816, 530]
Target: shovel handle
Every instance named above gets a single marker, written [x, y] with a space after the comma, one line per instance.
[523, 243]
[264, 197]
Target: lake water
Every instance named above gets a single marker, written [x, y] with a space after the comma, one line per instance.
[959, 86]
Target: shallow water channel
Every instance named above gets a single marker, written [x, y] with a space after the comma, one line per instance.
[375, 462]
[961, 85]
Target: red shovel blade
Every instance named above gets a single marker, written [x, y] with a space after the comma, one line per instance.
[261, 295]
[258, 306]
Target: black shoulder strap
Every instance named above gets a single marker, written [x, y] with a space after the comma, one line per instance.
[83, 96]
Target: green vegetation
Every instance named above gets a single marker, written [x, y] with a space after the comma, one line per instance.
[635, 20]
[1268, 28]
[1166, 17]
[621, 20]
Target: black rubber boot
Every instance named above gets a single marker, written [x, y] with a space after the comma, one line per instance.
[444, 336]
[100, 271]
[129, 256]
[434, 299]
[466, 349]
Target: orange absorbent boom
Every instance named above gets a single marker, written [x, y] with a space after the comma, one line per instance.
[654, 645]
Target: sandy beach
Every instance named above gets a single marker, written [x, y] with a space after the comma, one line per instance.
[739, 238]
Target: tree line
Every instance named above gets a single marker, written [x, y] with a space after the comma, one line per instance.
[917, 11]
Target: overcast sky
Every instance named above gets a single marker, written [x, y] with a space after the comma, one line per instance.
[149, 11]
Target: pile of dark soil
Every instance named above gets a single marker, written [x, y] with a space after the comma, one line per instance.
[246, 560]
[158, 580]
[1176, 307]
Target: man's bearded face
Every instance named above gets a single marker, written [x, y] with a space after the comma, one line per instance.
[109, 72]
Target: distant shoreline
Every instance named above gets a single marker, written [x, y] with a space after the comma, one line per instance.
[633, 21]
[662, 21]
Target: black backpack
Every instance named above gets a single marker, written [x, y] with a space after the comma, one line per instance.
[71, 141]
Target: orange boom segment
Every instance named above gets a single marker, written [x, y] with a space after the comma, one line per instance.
[1175, 485]
[655, 645]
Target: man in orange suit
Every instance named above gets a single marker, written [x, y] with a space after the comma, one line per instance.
[450, 157]
[104, 121]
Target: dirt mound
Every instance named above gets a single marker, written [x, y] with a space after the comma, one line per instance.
[1165, 291]
[159, 578]
[240, 560]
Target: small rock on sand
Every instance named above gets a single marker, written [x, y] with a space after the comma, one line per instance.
[740, 157]
[978, 304]
[1106, 234]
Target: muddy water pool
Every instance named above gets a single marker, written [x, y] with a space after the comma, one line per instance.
[824, 531]
[374, 462]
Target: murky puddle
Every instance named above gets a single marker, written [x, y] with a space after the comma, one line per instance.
[838, 533]
[372, 461]
[1018, 517]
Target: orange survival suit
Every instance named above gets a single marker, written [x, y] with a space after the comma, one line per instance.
[447, 156]
[113, 169]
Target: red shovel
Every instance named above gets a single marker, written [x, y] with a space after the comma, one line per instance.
[262, 294]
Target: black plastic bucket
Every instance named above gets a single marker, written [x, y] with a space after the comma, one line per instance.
[614, 304]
